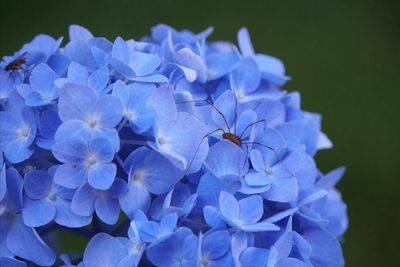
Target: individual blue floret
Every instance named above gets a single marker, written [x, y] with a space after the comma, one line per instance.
[85, 160]
[17, 132]
[45, 201]
[16, 238]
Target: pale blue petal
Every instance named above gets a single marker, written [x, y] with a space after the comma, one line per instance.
[189, 59]
[111, 111]
[246, 76]
[251, 209]
[77, 74]
[260, 227]
[144, 63]
[79, 33]
[229, 207]
[77, 102]
[245, 45]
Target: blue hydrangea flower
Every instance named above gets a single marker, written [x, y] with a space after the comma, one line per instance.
[134, 97]
[41, 89]
[209, 159]
[84, 112]
[135, 65]
[244, 214]
[45, 201]
[178, 250]
[18, 239]
[88, 199]
[85, 160]
[146, 178]
[214, 249]
[77, 74]
[17, 132]
[178, 135]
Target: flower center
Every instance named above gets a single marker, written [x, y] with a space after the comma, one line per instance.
[92, 123]
[268, 170]
[137, 176]
[25, 132]
[241, 95]
[91, 160]
[161, 141]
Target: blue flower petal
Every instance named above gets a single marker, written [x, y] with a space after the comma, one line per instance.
[254, 257]
[245, 77]
[245, 45]
[226, 159]
[37, 212]
[79, 33]
[103, 250]
[107, 209]
[251, 209]
[326, 250]
[84, 200]
[24, 242]
[101, 176]
[229, 207]
[66, 217]
[136, 198]
[37, 184]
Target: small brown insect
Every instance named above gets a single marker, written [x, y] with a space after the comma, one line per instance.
[17, 63]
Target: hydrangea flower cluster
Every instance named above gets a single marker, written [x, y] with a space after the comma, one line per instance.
[168, 151]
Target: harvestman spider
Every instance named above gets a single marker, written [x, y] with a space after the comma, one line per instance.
[232, 136]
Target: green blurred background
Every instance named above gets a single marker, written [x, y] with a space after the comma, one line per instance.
[343, 57]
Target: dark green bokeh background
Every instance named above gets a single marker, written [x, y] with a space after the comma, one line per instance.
[343, 57]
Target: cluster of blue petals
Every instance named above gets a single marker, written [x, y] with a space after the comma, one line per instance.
[168, 151]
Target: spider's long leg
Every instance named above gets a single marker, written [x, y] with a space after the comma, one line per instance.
[198, 147]
[276, 154]
[212, 105]
[250, 125]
